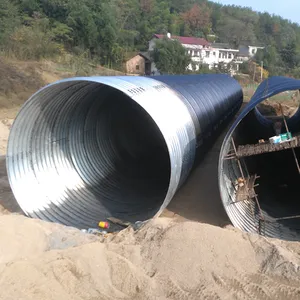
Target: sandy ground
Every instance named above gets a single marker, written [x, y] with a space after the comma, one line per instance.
[186, 254]
[165, 260]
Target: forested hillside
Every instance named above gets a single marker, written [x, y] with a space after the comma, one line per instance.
[109, 30]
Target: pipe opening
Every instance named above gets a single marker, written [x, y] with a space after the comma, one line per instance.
[84, 149]
[272, 177]
[89, 152]
[289, 101]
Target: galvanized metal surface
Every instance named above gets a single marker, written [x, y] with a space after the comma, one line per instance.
[244, 214]
[84, 149]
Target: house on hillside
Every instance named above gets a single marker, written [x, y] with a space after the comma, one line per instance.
[195, 47]
[138, 64]
[202, 52]
[249, 51]
[222, 53]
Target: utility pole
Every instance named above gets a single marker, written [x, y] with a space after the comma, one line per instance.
[254, 72]
[262, 70]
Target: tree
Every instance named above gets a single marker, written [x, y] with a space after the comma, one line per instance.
[198, 19]
[29, 6]
[216, 17]
[180, 5]
[33, 42]
[9, 19]
[235, 32]
[108, 29]
[170, 57]
[289, 55]
[147, 5]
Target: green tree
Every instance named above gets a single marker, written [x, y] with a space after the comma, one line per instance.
[9, 19]
[289, 55]
[33, 42]
[29, 6]
[235, 32]
[108, 29]
[170, 57]
[180, 6]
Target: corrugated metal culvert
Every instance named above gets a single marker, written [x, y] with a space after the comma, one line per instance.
[273, 209]
[83, 149]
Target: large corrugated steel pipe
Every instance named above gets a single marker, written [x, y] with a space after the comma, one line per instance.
[84, 149]
[271, 206]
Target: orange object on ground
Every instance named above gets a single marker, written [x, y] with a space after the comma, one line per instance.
[104, 225]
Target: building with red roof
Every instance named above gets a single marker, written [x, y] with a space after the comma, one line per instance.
[203, 52]
[186, 40]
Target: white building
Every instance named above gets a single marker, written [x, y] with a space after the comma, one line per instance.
[221, 53]
[202, 52]
[248, 51]
[196, 47]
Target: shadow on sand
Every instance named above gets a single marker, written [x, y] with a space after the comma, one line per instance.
[7, 199]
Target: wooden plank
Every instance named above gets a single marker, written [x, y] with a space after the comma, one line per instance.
[257, 149]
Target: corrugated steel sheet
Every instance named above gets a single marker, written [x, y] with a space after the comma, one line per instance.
[84, 149]
[241, 213]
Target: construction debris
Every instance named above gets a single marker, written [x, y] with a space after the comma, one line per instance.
[119, 222]
[94, 231]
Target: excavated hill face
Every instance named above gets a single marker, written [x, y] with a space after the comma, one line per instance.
[17, 82]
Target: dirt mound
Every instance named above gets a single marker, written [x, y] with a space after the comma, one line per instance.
[272, 108]
[165, 260]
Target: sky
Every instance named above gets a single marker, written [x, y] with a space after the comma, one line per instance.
[288, 9]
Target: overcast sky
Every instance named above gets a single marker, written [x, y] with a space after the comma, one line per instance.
[288, 9]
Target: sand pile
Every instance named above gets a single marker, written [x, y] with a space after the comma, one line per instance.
[165, 260]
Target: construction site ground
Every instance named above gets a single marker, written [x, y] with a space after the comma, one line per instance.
[191, 252]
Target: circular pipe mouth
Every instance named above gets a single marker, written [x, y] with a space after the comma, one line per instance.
[267, 202]
[85, 149]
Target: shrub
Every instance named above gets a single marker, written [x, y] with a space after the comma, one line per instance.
[35, 42]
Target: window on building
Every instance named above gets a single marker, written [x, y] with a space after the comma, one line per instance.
[229, 55]
[253, 51]
[224, 55]
[137, 67]
[214, 53]
[220, 55]
[207, 53]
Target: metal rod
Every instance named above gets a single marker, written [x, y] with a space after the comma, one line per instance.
[288, 218]
[287, 130]
[229, 158]
[239, 163]
[283, 218]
